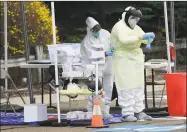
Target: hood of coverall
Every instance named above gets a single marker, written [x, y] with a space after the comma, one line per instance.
[93, 27]
[131, 16]
[91, 22]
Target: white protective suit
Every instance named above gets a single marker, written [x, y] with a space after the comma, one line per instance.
[128, 66]
[86, 50]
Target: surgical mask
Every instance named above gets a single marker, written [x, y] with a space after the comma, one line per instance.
[133, 21]
[96, 34]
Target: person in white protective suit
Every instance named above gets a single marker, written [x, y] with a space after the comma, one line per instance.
[97, 35]
[128, 64]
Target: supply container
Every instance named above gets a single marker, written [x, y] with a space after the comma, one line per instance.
[176, 93]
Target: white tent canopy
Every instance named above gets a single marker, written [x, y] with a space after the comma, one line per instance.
[56, 67]
[54, 42]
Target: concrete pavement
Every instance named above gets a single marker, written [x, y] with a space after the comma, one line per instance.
[80, 104]
[64, 98]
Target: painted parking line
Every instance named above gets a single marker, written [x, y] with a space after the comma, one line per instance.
[143, 128]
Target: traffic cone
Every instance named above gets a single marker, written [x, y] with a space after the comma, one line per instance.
[97, 119]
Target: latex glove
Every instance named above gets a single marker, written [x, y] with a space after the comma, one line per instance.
[150, 40]
[148, 36]
[109, 53]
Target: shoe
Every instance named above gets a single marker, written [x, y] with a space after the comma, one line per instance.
[143, 116]
[129, 118]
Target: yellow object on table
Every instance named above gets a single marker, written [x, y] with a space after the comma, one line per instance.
[80, 92]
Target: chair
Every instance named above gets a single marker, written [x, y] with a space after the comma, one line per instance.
[7, 93]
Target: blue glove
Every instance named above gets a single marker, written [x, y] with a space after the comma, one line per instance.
[109, 53]
[148, 36]
[149, 43]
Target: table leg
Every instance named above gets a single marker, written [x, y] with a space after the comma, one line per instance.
[153, 88]
[30, 86]
[50, 99]
[50, 92]
[145, 90]
[70, 104]
[42, 70]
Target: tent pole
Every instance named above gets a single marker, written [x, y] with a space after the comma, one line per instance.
[27, 53]
[56, 61]
[6, 43]
[167, 36]
[172, 18]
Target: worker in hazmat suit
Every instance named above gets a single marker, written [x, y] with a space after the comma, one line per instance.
[97, 35]
[128, 64]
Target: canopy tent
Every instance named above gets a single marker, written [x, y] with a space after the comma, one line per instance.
[27, 53]
[54, 42]
[56, 65]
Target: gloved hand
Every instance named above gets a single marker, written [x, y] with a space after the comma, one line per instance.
[109, 53]
[147, 36]
[150, 40]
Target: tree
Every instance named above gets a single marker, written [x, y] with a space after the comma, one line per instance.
[39, 25]
[72, 16]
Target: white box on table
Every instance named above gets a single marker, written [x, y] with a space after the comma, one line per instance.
[35, 112]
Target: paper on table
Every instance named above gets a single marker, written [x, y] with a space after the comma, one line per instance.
[98, 55]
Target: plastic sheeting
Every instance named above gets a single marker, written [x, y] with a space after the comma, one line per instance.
[12, 119]
[79, 115]
[65, 50]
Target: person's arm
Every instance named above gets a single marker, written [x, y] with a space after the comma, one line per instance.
[110, 50]
[108, 43]
[108, 40]
[141, 33]
[124, 38]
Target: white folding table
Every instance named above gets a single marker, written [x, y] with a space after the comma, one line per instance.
[42, 65]
[154, 65]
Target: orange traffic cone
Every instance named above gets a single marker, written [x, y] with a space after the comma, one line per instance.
[97, 120]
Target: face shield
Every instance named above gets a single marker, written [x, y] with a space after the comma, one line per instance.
[132, 17]
[133, 20]
[135, 12]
